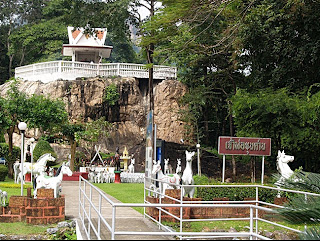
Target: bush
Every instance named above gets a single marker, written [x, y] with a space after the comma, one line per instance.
[41, 148]
[2, 139]
[236, 193]
[4, 152]
[3, 172]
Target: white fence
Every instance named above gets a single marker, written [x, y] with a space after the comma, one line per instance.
[93, 228]
[68, 70]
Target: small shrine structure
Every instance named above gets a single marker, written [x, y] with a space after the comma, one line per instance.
[87, 48]
[87, 52]
[125, 157]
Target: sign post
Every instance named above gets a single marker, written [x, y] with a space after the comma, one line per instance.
[149, 148]
[244, 146]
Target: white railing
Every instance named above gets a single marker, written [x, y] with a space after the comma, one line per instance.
[93, 229]
[68, 70]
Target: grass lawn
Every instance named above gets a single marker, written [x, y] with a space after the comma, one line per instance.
[22, 228]
[124, 192]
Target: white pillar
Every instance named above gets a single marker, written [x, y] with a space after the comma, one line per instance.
[198, 155]
[22, 127]
[262, 172]
[223, 168]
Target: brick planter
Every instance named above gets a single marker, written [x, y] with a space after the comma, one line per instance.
[44, 210]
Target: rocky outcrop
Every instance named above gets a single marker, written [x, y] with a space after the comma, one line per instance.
[84, 101]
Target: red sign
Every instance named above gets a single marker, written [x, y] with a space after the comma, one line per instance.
[244, 146]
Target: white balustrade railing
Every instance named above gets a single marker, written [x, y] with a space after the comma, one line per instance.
[68, 70]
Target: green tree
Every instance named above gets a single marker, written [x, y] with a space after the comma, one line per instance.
[15, 109]
[45, 113]
[197, 36]
[279, 44]
[42, 148]
[70, 130]
[93, 132]
[112, 95]
[14, 14]
[290, 120]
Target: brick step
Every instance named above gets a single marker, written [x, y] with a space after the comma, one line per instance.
[11, 218]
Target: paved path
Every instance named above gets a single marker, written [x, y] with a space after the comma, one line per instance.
[127, 219]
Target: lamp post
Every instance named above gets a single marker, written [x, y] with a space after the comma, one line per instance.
[32, 140]
[199, 165]
[22, 127]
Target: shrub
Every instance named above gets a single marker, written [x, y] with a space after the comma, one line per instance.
[236, 193]
[2, 139]
[41, 148]
[4, 152]
[3, 172]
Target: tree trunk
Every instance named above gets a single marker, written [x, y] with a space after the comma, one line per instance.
[73, 144]
[10, 144]
[234, 165]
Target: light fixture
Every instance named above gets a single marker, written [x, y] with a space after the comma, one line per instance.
[22, 126]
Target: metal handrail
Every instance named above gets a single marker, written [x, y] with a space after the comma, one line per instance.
[252, 205]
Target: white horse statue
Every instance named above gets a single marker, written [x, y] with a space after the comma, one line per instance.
[37, 168]
[106, 177]
[283, 168]
[169, 179]
[3, 197]
[54, 183]
[131, 166]
[98, 177]
[187, 176]
[178, 169]
[282, 164]
[166, 166]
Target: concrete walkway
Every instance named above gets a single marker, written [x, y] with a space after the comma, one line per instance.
[127, 219]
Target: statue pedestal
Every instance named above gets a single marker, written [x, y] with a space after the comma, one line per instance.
[117, 178]
[27, 177]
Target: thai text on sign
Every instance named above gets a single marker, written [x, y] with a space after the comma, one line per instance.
[244, 146]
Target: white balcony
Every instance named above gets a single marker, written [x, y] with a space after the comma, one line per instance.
[68, 70]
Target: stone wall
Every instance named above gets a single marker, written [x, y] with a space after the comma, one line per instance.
[84, 101]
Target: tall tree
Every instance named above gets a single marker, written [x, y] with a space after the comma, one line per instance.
[279, 44]
[70, 130]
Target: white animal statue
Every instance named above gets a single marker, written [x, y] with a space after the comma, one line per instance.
[98, 177]
[54, 183]
[106, 177]
[169, 179]
[178, 169]
[155, 191]
[37, 168]
[187, 176]
[131, 166]
[16, 170]
[51, 171]
[166, 166]
[91, 176]
[282, 164]
[3, 197]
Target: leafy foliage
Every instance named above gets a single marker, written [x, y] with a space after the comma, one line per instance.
[280, 44]
[45, 113]
[235, 193]
[4, 152]
[3, 172]
[41, 148]
[112, 95]
[301, 209]
[92, 133]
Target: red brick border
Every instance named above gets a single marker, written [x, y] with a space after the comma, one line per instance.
[44, 210]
